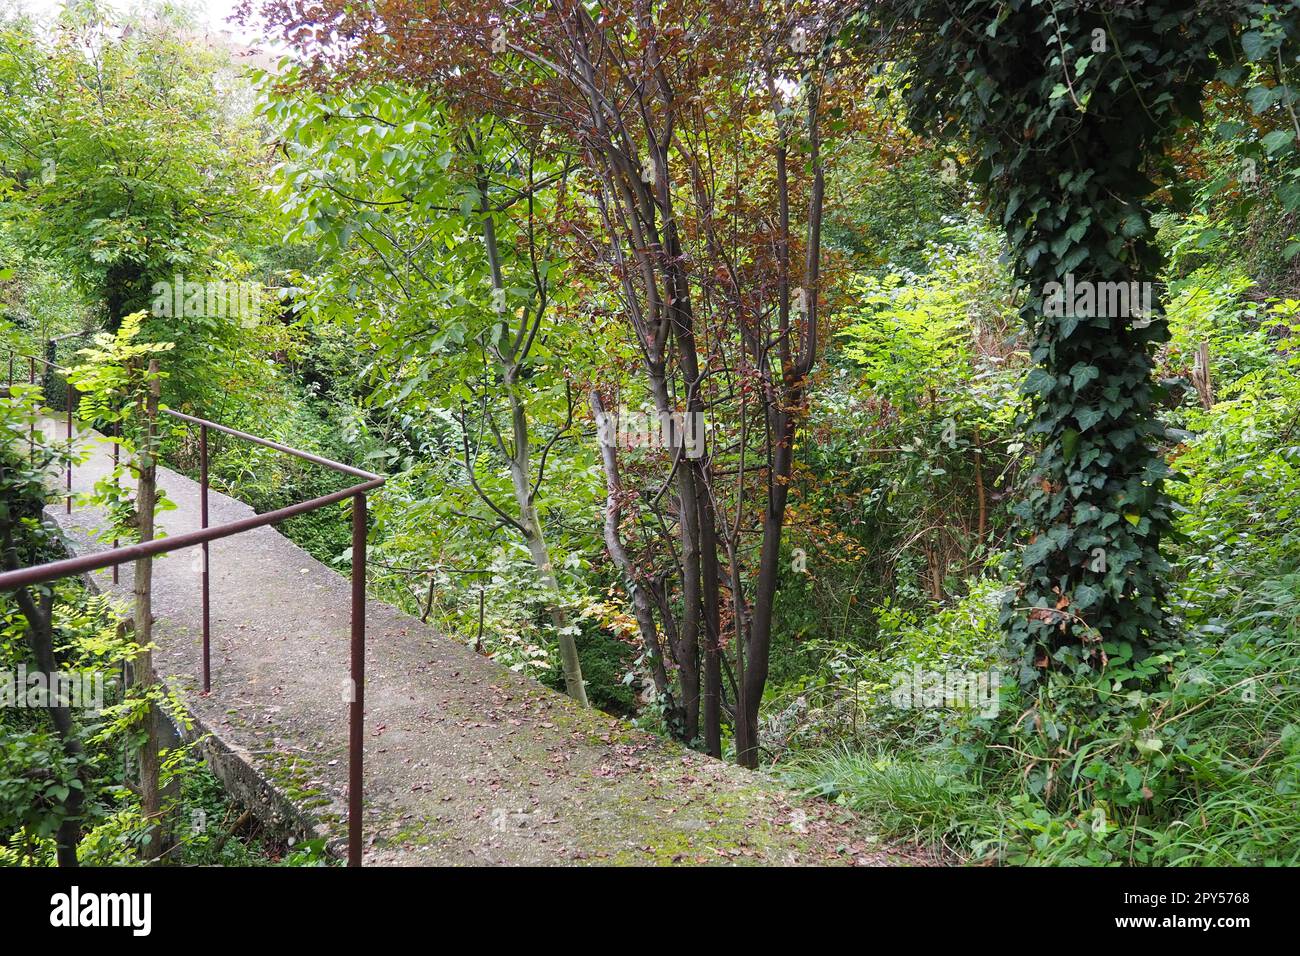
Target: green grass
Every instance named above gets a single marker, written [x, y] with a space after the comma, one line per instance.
[1221, 788]
[922, 796]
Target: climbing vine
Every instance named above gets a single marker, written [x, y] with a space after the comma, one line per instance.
[1068, 108]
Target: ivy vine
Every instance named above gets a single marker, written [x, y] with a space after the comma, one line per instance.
[1067, 109]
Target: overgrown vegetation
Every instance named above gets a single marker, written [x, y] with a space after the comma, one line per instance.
[68, 782]
[1010, 572]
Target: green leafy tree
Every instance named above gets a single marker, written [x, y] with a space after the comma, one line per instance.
[445, 265]
[127, 163]
[123, 381]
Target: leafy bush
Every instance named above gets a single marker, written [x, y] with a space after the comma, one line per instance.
[910, 452]
[849, 700]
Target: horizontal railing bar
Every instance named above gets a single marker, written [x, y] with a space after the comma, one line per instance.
[267, 443]
[44, 573]
[264, 442]
[35, 358]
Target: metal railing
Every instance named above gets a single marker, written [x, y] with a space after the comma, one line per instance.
[116, 556]
[54, 386]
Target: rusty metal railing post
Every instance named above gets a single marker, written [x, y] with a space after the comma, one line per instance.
[67, 400]
[356, 709]
[31, 428]
[117, 433]
[203, 523]
[47, 377]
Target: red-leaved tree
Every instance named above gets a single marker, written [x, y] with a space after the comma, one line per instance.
[703, 130]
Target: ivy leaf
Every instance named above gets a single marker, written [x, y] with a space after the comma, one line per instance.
[1086, 595]
[1039, 382]
[1289, 196]
[1132, 226]
[1255, 45]
[1069, 443]
[1261, 98]
[1037, 550]
[1082, 374]
[1087, 417]
[1277, 141]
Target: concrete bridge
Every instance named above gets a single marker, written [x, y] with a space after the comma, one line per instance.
[466, 762]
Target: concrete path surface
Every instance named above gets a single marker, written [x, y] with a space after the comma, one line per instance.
[466, 762]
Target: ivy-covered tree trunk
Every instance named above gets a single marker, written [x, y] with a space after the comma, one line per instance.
[1068, 108]
[1095, 512]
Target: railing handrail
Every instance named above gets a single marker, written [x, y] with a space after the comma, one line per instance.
[33, 358]
[53, 570]
[267, 443]
[226, 429]
[195, 420]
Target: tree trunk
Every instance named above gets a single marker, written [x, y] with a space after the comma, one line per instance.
[143, 677]
[521, 482]
[574, 685]
[759, 645]
[641, 606]
[520, 479]
[1201, 377]
[712, 694]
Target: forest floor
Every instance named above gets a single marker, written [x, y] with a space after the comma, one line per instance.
[466, 762]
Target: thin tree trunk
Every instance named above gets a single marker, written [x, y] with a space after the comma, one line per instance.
[142, 667]
[712, 694]
[760, 634]
[521, 481]
[689, 658]
[641, 606]
[1201, 377]
[684, 636]
[574, 685]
